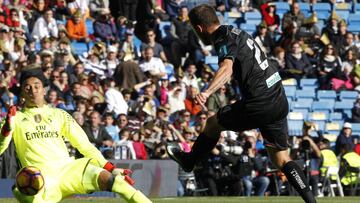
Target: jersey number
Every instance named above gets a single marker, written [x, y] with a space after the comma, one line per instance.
[263, 64]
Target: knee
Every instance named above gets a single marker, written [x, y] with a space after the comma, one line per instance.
[105, 181]
[212, 128]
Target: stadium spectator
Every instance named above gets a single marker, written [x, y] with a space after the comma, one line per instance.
[190, 78]
[111, 129]
[310, 34]
[79, 5]
[293, 17]
[96, 6]
[105, 28]
[217, 101]
[344, 138]
[349, 166]
[340, 37]
[271, 19]
[179, 29]
[128, 50]
[330, 72]
[38, 7]
[157, 48]
[96, 132]
[128, 74]
[125, 142]
[145, 19]
[114, 99]
[152, 66]
[348, 44]
[331, 28]
[139, 146]
[190, 103]
[176, 99]
[110, 62]
[264, 38]
[297, 64]
[278, 58]
[76, 28]
[197, 49]
[45, 26]
[14, 19]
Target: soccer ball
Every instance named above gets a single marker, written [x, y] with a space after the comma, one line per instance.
[29, 180]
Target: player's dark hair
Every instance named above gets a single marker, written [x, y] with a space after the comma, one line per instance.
[326, 142]
[203, 15]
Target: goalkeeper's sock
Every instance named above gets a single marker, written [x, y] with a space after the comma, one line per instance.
[129, 193]
[297, 179]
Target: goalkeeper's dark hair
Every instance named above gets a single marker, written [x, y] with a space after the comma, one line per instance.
[203, 15]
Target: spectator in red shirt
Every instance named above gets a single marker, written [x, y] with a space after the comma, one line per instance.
[13, 20]
[272, 20]
[190, 104]
[139, 146]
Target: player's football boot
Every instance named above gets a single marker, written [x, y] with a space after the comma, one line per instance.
[179, 156]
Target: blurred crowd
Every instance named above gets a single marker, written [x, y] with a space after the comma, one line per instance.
[130, 82]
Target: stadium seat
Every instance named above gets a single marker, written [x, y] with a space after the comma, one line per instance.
[335, 116]
[348, 95]
[289, 82]
[295, 127]
[79, 47]
[290, 92]
[354, 19]
[355, 127]
[320, 125]
[326, 94]
[232, 17]
[320, 24]
[323, 106]
[343, 14]
[323, 16]
[354, 28]
[333, 128]
[249, 28]
[308, 82]
[305, 104]
[305, 94]
[342, 7]
[344, 107]
[304, 7]
[282, 7]
[296, 115]
[252, 18]
[164, 27]
[319, 7]
[212, 61]
[357, 8]
[318, 116]
[89, 26]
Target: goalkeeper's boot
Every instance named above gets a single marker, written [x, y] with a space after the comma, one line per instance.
[128, 192]
[182, 158]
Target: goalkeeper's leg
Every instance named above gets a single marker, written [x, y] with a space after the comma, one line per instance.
[96, 178]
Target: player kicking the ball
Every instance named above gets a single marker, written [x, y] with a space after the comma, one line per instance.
[264, 104]
[39, 131]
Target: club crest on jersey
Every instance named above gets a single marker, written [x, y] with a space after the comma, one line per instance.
[223, 51]
[37, 118]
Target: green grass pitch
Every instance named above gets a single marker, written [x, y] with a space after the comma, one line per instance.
[212, 200]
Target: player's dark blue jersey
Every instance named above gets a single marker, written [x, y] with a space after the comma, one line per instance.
[259, 81]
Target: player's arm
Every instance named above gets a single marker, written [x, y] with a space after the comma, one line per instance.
[222, 76]
[7, 127]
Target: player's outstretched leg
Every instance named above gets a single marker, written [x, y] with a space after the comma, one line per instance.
[203, 145]
[293, 173]
[96, 178]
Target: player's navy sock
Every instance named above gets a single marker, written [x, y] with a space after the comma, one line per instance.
[202, 147]
[297, 179]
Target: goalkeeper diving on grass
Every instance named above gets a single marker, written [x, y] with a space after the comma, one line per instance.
[39, 132]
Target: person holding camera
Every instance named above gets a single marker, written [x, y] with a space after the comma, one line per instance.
[251, 167]
[310, 153]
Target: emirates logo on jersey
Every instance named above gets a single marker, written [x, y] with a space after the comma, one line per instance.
[37, 118]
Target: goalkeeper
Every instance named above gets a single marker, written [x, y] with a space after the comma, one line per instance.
[39, 130]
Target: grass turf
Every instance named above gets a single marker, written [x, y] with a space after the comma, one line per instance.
[212, 200]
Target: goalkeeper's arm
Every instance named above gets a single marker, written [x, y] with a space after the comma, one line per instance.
[7, 126]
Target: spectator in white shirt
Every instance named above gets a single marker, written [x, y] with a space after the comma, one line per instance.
[190, 78]
[114, 99]
[153, 65]
[110, 62]
[176, 100]
[45, 26]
